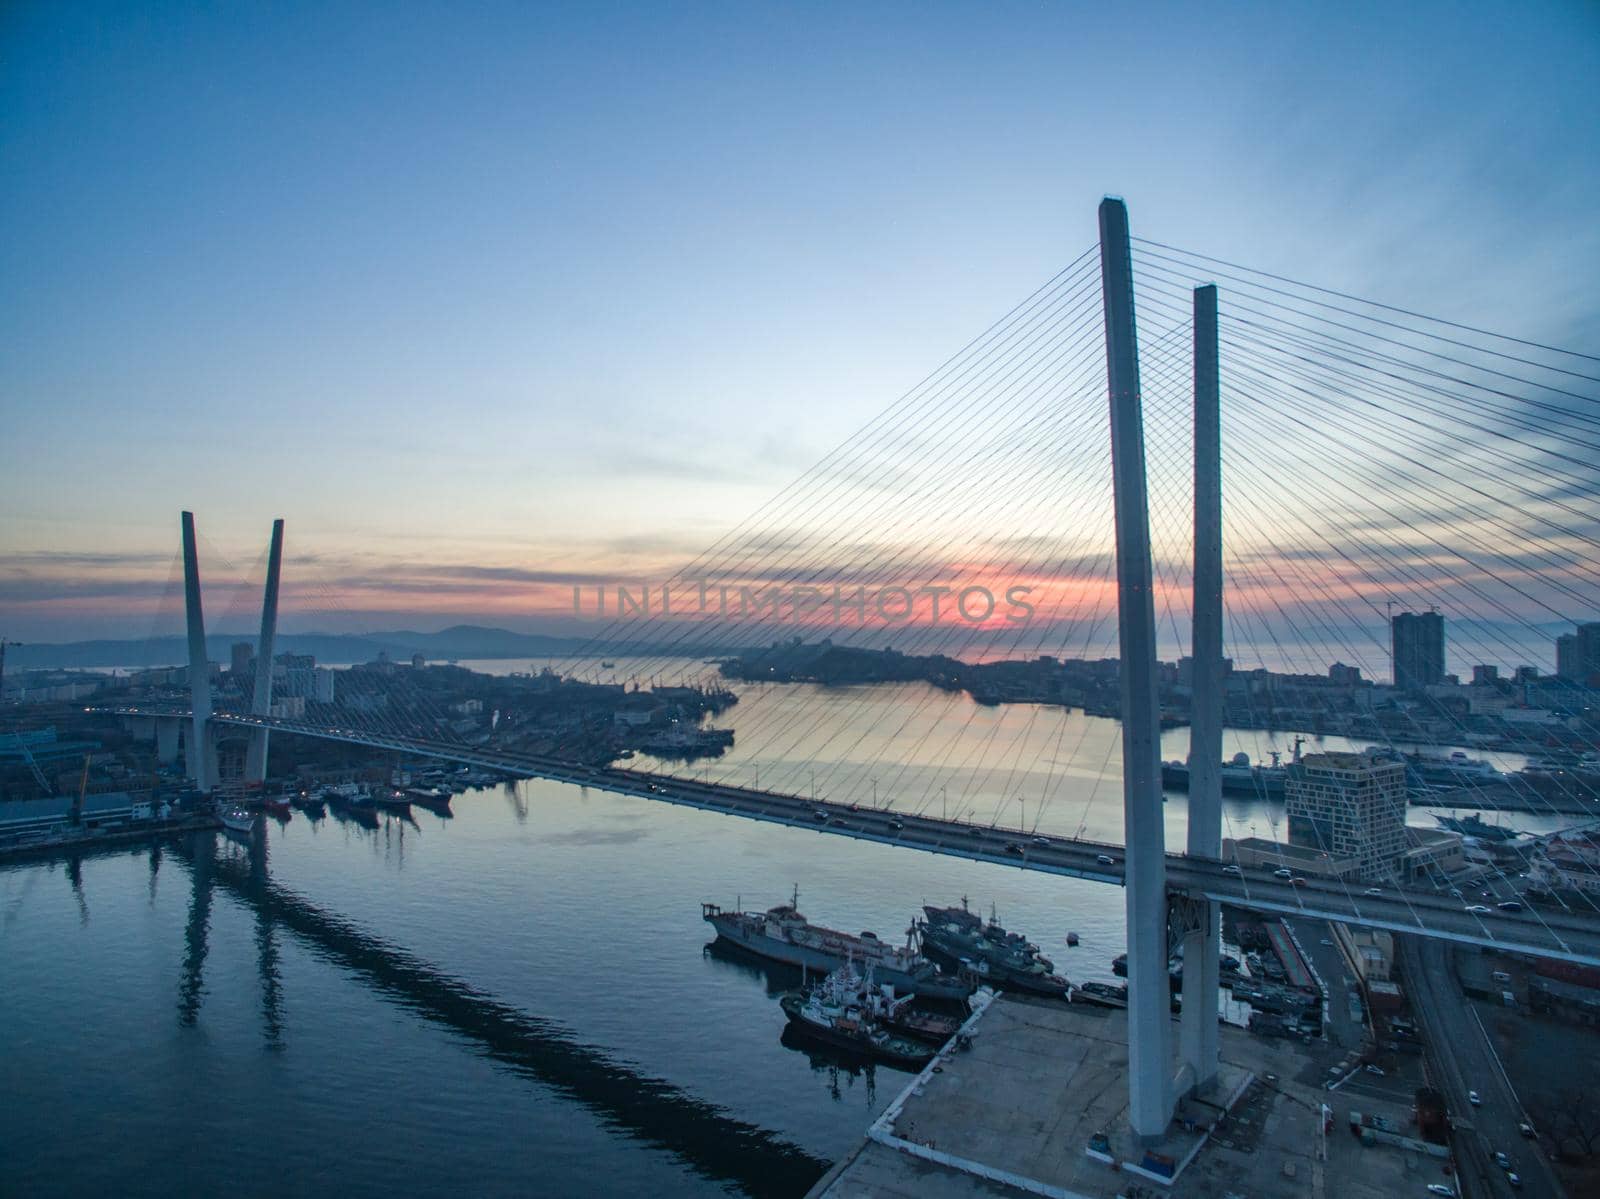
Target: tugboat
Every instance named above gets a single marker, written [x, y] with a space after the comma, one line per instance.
[956, 938]
[353, 795]
[237, 820]
[895, 1013]
[312, 804]
[435, 799]
[782, 934]
[830, 1013]
[1101, 994]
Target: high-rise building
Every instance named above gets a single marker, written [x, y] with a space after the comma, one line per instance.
[242, 655]
[1350, 806]
[1416, 642]
[1485, 676]
[1569, 656]
[1589, 647]
[1578, 654]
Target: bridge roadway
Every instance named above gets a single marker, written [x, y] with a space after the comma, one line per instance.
[1545, 932]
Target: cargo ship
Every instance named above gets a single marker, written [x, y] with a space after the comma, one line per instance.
[782, 934]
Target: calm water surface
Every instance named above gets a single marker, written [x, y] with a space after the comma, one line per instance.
[518, 999]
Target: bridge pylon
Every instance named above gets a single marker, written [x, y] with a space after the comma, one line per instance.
[1150, 1096]
[199, 752]
[1201, 943]
[255, 770]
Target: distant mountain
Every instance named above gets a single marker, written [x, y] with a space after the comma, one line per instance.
[458, 641]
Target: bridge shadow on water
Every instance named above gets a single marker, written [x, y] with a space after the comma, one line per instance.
[712, 1143]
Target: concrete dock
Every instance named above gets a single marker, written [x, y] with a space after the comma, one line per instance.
[1021, 1110]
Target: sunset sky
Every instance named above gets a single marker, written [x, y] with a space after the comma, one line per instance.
[491, 301]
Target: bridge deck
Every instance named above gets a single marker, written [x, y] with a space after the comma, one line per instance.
[1544, 932]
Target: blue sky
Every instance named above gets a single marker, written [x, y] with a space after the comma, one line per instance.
[574, 288]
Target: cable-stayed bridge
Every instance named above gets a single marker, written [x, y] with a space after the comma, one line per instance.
[1370, 456]
[1566, 935]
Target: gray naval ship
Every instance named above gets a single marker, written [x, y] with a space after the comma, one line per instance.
[782, 934]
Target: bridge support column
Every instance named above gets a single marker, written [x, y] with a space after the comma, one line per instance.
[1149, 1051]
[255, 767]
[166, 741]
[198, 755]
[1202, 937]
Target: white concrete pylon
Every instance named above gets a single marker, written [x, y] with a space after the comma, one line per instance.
[261, 702]
[1201, 946]
[198, 751]
[1149, 1047]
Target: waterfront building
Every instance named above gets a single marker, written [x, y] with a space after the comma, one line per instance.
[1350, 806]
[1416, 643]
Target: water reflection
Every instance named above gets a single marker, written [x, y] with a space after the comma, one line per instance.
[196, 931]
[75, 881]
[717, 1146]
[834, 1066]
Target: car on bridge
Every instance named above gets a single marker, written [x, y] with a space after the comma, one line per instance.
[1016, 847]
[1105, 859]
[1231, 869]
[897, 825]
[1283, 872]
[1478, 909]
[1474, 1099]
[1509, 905]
